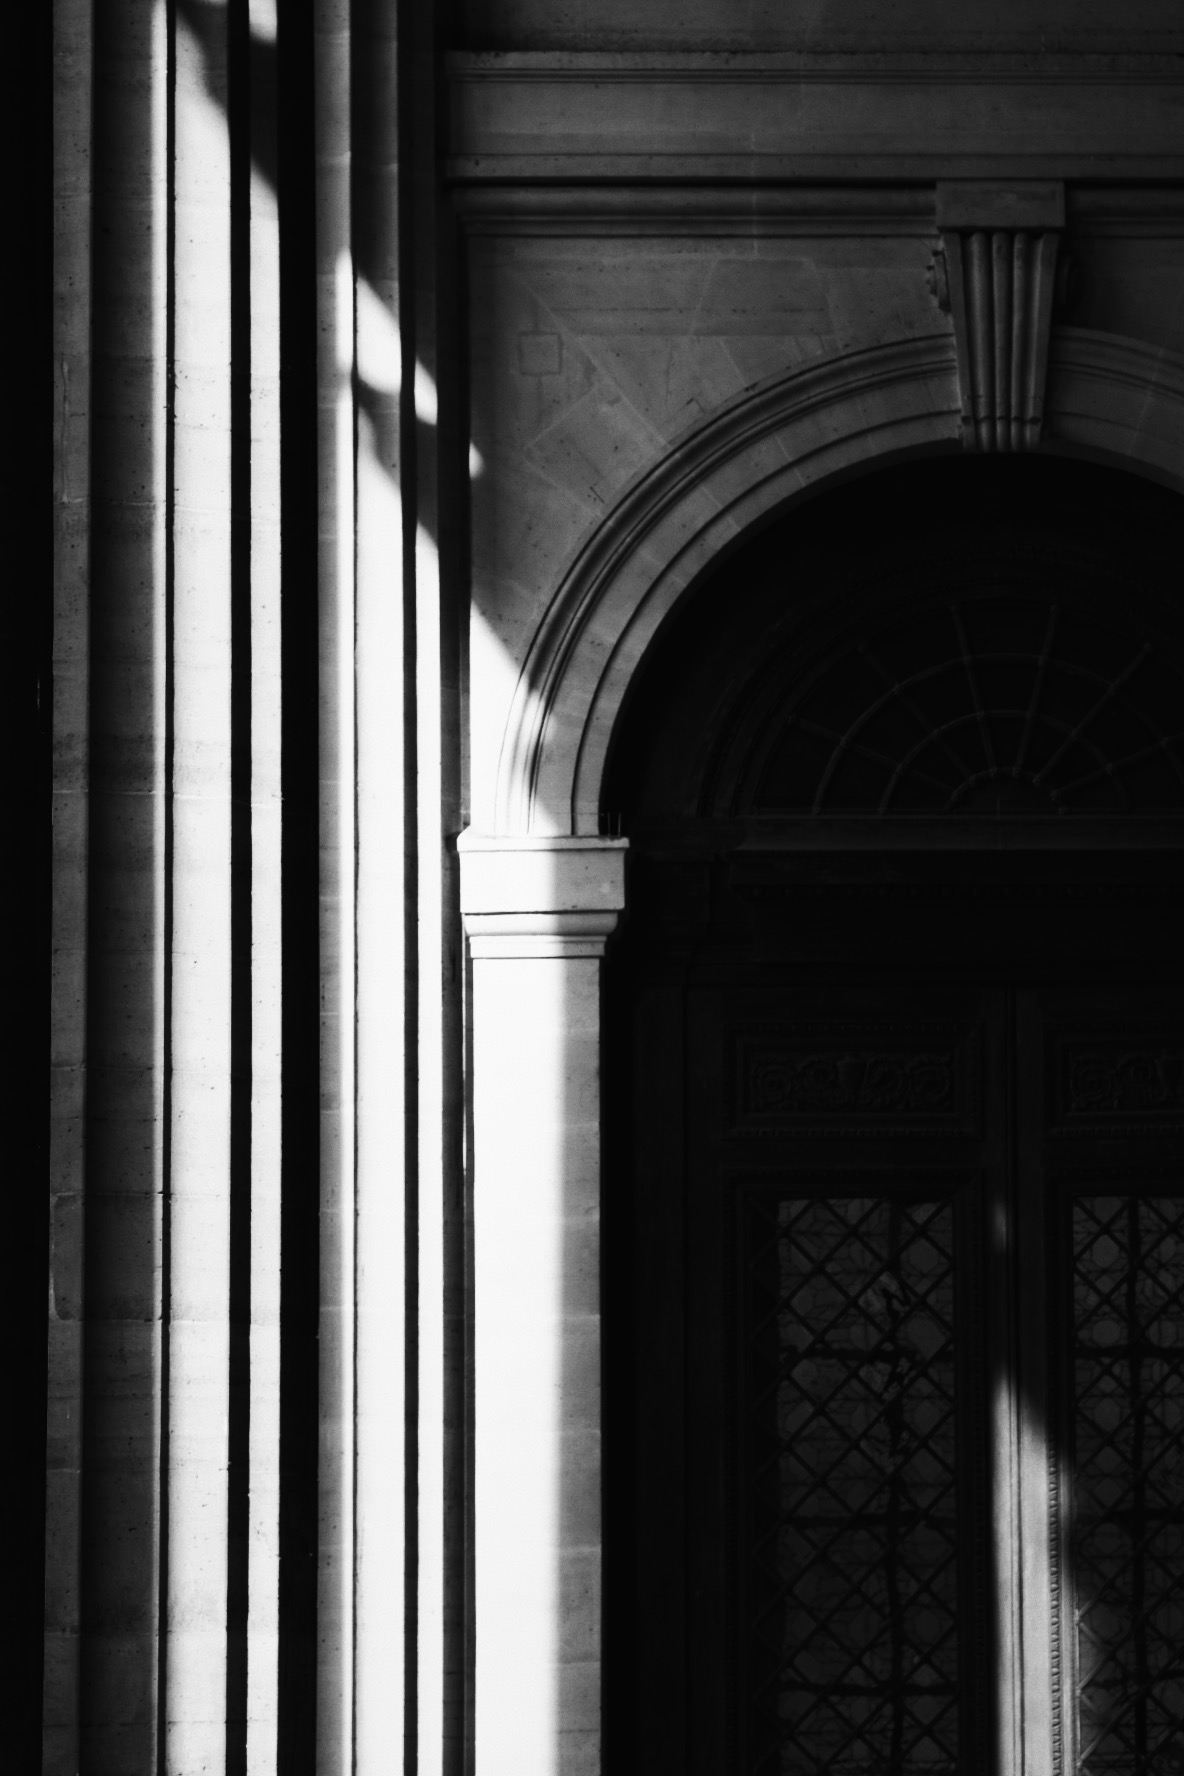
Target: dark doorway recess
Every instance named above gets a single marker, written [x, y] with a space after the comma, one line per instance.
[894, 1201]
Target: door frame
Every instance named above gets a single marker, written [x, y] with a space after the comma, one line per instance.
[675, 924]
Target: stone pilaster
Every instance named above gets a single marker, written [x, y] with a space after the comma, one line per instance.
[538, 914]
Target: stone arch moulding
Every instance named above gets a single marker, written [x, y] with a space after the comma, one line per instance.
[1109, 398]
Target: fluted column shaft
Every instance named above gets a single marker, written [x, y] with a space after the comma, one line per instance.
[162, 1565]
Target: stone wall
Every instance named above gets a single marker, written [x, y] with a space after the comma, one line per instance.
[766, 26]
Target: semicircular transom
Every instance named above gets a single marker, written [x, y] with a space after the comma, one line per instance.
[955, 639]
[1006, 704]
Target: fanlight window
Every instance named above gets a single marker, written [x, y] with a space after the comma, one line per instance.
[993, 706]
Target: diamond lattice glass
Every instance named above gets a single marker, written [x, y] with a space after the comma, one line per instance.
[853, 1557]
[1128, 1544]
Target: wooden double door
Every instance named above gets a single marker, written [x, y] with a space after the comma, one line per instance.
[899, 1372]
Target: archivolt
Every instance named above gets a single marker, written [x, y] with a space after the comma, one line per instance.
[1109, 398]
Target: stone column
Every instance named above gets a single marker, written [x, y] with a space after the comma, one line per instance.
[104, 1532]
[370, 1135]
[384, 690]
[538, 913]
[165, 1191]
[261, 1553]
[185, 1037]
[337, 833]
[73, 50]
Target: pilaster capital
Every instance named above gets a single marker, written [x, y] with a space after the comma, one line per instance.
[540, 896]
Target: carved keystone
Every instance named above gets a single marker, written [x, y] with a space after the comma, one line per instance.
[999, 244]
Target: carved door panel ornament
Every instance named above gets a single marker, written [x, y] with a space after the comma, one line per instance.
[873, 1080]
[996, 277]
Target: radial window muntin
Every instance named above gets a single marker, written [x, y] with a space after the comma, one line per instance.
[1091, 730]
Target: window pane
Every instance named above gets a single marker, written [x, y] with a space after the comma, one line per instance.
[853, 1560]
[1128, 1391]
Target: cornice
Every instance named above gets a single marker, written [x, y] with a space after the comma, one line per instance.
[1130, 212]
[774, 212]
[656, 210]
[544, 117]
[796, 65]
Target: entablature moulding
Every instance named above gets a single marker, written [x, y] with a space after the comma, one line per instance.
[543, 116]
[776, 212]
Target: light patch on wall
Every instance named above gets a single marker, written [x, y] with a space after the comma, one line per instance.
[343, 294]
[264, 21]
[500, 703]
[380, 363]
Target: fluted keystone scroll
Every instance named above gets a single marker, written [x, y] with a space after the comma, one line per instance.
[999, 247]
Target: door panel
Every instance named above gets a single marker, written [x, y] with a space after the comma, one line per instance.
[860, 1443]
[923, 1482]
[843, 1159]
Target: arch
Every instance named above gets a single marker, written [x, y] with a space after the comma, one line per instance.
[1109, 398]
[754, 998]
